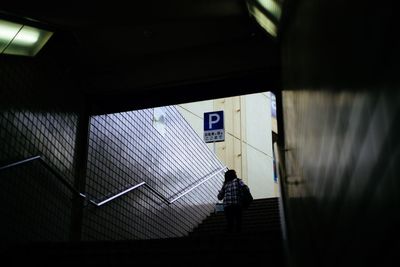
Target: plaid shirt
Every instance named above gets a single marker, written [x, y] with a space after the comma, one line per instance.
[230, 192]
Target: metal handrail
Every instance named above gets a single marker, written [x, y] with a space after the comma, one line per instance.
[282, 176]
[166, 200]
[20, 162]
[50, 168]
[101, 203]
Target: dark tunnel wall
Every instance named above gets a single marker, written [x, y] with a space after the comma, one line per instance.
[342, 123]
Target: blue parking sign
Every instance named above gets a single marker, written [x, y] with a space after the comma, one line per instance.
[214, 126]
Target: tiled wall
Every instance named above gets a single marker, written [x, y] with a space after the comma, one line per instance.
[124, 150]
[33, 204]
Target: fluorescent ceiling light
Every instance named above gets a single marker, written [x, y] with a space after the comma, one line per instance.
[27, 35]
[8, 30]
[272, 7]
[264, 21]
[19, 39]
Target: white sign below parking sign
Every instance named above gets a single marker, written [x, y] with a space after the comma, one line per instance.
[214, 126]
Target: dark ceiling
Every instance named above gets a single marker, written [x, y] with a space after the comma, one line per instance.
[160, 52]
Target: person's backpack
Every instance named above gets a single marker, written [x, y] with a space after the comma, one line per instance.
[245, 196]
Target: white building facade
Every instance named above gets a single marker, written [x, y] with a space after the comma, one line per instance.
[247, 148]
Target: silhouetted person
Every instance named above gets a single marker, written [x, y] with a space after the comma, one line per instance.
[229, 193]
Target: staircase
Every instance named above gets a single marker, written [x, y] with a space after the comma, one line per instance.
[261, 217]
[260, 242]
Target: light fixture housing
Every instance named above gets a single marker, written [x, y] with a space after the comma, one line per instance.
[267, 13]
[20, 39]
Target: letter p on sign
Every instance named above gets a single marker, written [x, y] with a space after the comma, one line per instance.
[214, 118]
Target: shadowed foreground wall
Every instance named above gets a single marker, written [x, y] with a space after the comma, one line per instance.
[342, 126]
[39, 113]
